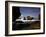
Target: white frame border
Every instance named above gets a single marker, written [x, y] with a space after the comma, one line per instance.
[23, 5]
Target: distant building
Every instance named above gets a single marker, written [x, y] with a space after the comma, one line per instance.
[29, 18]
[24, 18]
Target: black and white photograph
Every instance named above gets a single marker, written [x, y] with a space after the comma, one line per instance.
[24, 18]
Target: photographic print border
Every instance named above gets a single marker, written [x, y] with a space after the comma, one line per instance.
[6, 17]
